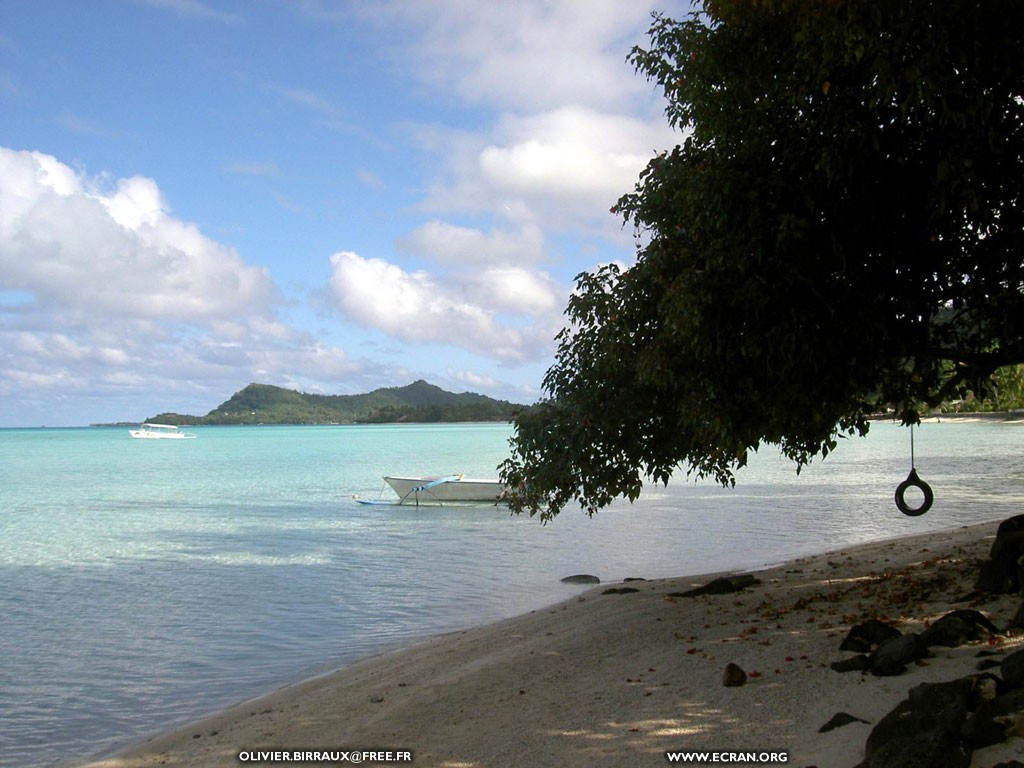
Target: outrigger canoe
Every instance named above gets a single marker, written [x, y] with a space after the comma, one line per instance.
[441, 489]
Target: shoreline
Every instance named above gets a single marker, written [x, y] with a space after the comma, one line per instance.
[962, 417]
[619, 679]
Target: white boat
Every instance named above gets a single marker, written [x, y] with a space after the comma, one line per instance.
[150, 431]
[436, 489]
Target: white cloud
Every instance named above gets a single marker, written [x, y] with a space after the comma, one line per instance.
[573, 123]
[513, 290]
[522, 56]
[136, 202]
[82, 251]
[474, 381]
[457, 309]
[571, 130]
[531, 125]
[455, 245]
[572, 152]
[558, 171]
[104, 291]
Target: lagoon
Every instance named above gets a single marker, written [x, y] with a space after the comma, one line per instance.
[146, 583]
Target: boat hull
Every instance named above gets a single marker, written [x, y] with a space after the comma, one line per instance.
[159, 432]
[412, 490]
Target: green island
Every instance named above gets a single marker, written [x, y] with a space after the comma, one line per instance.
[416, 402]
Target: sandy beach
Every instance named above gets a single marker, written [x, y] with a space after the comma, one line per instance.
[621, 678]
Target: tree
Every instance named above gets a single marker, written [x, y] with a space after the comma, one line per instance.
[839, 230]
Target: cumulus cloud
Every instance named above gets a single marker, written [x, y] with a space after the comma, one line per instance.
[524, 124]
[81, 250]
[473, 380]
[559, 171]
[469, 310]
[522, 56]
[574, 123]
[571, 127]
[570, 152]
[103, 290]
[447, 243]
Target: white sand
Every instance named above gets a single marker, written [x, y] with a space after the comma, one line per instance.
[619, 679]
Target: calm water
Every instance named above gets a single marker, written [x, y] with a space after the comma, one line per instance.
[146, 583]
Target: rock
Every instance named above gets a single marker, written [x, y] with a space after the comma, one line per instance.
[734, 676]
[721, 586]
[863, 638]
[892, 656]
[995, 720]
[1018, 617]
[839, 719]
[923, 730]
[1000, 574]
[1012, 670]
[620, 591]
[858, 663]
[991, 579]
[581, 578]
[986, 688]
[959, 627]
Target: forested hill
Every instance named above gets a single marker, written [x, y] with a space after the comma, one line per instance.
[417, 402]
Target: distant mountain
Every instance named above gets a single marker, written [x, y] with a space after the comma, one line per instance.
[417, 402]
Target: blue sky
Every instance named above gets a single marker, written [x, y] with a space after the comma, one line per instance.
[326, 196]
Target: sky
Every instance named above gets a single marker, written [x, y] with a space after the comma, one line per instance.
[326, 196]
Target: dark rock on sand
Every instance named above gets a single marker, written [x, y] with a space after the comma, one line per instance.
[865, 637]
[995, 720]
[959, 627]
[923, 730]
[620, 591]
[581, 578]
[734, 676]
[892, 656]
[1000, 574]
[893, 651]
[859, 663]
[721, 586]
[1018, 617]
[1012, 669]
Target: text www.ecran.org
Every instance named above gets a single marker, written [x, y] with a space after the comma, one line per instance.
[750, 758]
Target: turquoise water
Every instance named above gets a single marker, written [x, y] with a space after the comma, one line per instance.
[146, 583]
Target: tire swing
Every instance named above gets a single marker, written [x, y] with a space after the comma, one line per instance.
[913, 481]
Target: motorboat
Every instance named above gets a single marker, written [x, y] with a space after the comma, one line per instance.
[441, 489]
[151, 431]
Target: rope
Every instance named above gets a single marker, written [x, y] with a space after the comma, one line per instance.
[912, 446]
[913, 481]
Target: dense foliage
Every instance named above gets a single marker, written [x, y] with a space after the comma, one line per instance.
[839, 232]
[417, 402]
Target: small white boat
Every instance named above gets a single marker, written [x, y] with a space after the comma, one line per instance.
[150, 431]
[440, 489]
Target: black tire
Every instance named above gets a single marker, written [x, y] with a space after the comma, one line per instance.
[913, 481]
